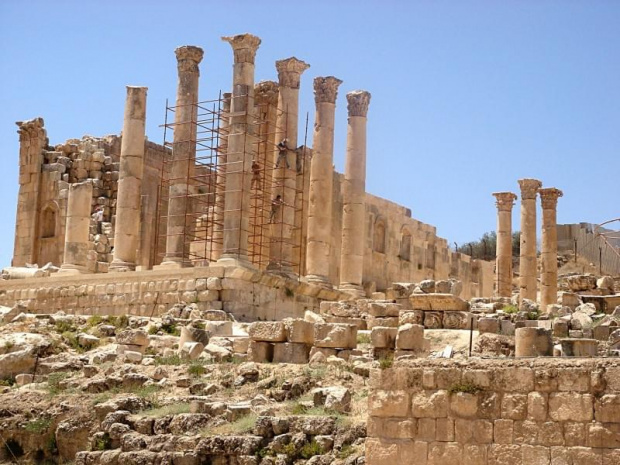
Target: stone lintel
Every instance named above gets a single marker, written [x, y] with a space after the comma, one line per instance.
[290, 70]
[549, 197]
[529, 188]
[357, 102]
[244, 47]
[326, 89]
[504, 200]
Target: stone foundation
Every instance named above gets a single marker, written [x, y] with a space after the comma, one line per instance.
[247, 295]
[495, 412]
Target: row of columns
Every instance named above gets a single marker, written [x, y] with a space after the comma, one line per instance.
[236, 155]
[529, 188]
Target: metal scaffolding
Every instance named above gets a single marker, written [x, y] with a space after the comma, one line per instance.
[206, 174]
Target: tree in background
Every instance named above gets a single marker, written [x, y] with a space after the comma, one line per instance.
[484, 248]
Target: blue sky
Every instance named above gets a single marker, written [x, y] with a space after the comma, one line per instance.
[467, 96]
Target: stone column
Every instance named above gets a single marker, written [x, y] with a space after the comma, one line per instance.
[285, 173]
[549, 272]
[220, 183]
[184, 154]
[354, 192]
[321, 181]
[239, 154]
[503, 254]
[77, 242]
[127, 226]
[527, 256]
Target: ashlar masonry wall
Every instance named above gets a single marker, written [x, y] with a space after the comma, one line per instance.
[495, 412]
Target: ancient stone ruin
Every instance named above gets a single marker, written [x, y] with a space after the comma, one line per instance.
[226, 297]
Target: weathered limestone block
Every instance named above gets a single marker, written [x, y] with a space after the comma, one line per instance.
[191, 350]
[433, 320]
[219, 328]
[383, 338]
[260, 352]
[299, 331]
[269, 331]
[579, 347]
[583, 282]
[410, 337]
[384, 309]
[607, 408]
[335, 335]
[290, 352]
[415, 317]
[388, 404]
[456, 320]
[438, 302]
[489, 325]
[570, 406]
[569, 299]
[428, 404]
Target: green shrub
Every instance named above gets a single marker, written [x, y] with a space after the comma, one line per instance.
[54, 381]
[171, 328]
[103, 442]
[469, 388]
[153, 329]
[38, 426]
[363, 338]
[94, 320]
[196, 369]
[63, 326]
[510, 309]
[386, 362]
[310, 449]
[289, 450]
[171, 360]
[346, 451]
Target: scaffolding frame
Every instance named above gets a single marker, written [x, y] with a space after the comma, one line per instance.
[207, 170]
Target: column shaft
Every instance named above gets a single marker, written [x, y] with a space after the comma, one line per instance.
[183, 153]
[77, 242]
[285, 175]
[321, 180]
[239, 153]
[503, 259]
[549, 247]
[527, 255]
[354, 192]
[127, 226]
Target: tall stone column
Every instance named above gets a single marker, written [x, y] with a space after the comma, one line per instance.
[503, 254]
[354, 192]
[549, 272]
[127, 226]
[239, 154]
[321, 181]
[79, 203]
[527, 256]
[285, 174]
[220, 183]
[183, 153]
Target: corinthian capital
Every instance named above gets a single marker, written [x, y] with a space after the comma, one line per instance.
[358, 101]
[289, 72]
[188, 58]
[504, 200]
[326, 89]
[529, 188]
[549, 197]
[244, 47]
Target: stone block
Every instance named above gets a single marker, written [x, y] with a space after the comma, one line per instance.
[219, 328]
[514, 406]
[503, 431]
[444, 430]
[438, 302]
[569, 406]
[335, 335]
[488, 325]
[414, 317]
[267, 331]
[191, 350]
[384, 309]
[327, 352]
[433, 320]
[240, 344]
[428, 404]
[579, 347]
[383, 338]
[389, 322]
[537, 406]
[299, 331]
[607, 408]
[463, 405]
[427, 429]
[388, 404]
[445, 453]
[393, 428]
[260, 352]
[290, 352]
[504, 454]
[457, 320]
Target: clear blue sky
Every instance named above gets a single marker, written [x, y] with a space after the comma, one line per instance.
[467, 96]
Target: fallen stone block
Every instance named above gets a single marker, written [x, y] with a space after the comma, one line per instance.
[267, 331]
[383, 338]
[290, 352]
[410, 337]
[335, 335]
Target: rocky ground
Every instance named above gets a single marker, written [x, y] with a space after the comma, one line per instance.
[162, 407]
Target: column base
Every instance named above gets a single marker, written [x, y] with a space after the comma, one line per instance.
[235, 260]
[320, 281]
[70, 269]
[121, 266]
[355, 290]
[168, 264]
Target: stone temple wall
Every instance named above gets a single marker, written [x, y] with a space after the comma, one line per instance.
[247, 295]
[495, 412]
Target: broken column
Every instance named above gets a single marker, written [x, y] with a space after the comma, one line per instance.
[127, 226]
[183, 153]
[549, 253]
[285, 171]
[75, 259]
[354, 191]
[321, 179]
[533, 342]
[527, 256]
[503, 259]
[239, 153]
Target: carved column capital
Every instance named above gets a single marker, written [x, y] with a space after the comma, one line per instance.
[549, 197]
[266, 93]
[244, 47]
[326, 89]
[188, 58]
[504, 200]
[529, 188]
[290, 70]
[357, 102]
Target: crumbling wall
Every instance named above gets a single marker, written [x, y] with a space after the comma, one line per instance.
[590, 246]
[536, 411]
